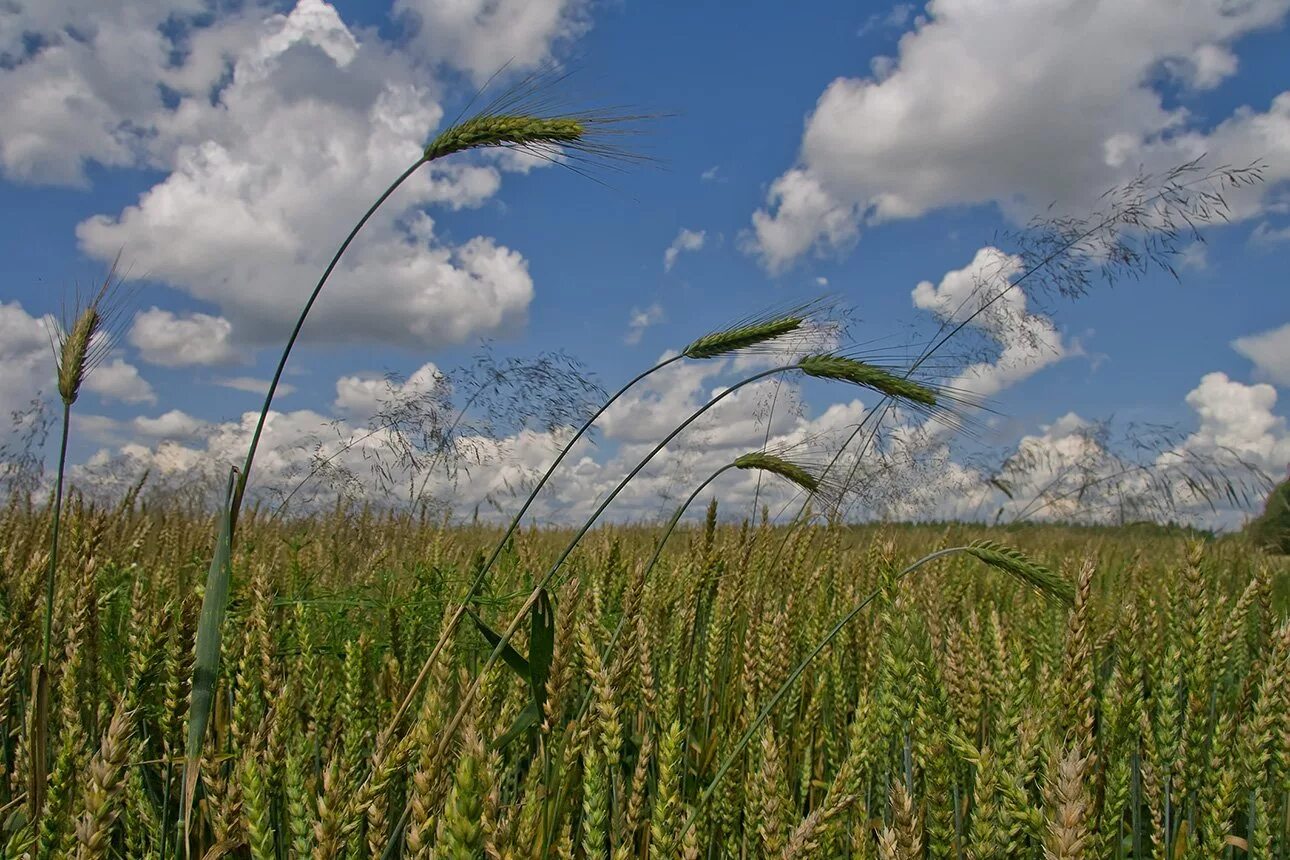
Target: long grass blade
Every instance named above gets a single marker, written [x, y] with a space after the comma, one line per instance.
[207, 649]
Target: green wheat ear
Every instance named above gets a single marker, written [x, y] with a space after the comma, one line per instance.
[516, 131]
[839, 367]
[1016, 564]
[74, 354]
[779, 466]
[742, 337]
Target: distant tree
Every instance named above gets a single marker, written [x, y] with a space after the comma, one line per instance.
[1271, 529]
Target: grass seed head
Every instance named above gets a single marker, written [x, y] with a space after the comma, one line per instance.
[530, 116]
[83, 343]
[514, 131]
[841, 368]
[742, 337]
[1015, 563]
[779, 466]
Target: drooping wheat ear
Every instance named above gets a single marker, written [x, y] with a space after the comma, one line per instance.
[791, 472]
[844, 369]
[1016, 564]
[531, 116]
[743, 336]
[514, 131]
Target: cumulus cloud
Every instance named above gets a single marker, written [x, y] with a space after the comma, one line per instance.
[174, 424]
[1019, 104]
[1270, 352]
[686, 240]
[362, 396]
[1026, 342]
[172, 340]
[272, 133]
[641, 320]
[263, 179]
[120, 380]
[482, 36]
[26, 359]
[78, 84]
[1239, 418]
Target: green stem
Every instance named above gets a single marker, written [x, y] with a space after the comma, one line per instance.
[53, 536]
[240, 491]
[577, 538]
[792, 679]
[649, 566]
[468, 697]
[478, 582]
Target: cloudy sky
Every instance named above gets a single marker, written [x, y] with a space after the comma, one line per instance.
[868, 150]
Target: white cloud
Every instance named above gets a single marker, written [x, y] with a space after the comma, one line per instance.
[1270, 352]
[171, 340]
[1266, 234]
[363, 395]
[641, 320]
[1020, 104]
[174, 424]
[119, 380]
[255, 385]
[26, 359]
[711, 174]
[277, 132]
[482, 36]
[88, 91]
[248, 216]
[686, 240]
[1026, 342]
[1239, 418]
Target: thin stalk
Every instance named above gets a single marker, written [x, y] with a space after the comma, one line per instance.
[240, 490]
[577, 538]
[649, 566]
[53, 535]
[478, 582]
[38, 737]
[469, 695]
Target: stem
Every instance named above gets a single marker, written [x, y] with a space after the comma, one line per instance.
[792, 678]
[577, 538]
[240, 490]
[53, 536]
[468, 697]
[658, 551]
[478, 582]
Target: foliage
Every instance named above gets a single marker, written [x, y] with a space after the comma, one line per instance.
[1271, 529]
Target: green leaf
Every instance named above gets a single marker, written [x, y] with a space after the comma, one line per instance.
[207, 647]
[541, 646]
[509, 654]
[527, 719]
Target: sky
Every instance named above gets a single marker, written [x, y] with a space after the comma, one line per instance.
[873, 152]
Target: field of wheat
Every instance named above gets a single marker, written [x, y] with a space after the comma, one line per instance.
[960, 713]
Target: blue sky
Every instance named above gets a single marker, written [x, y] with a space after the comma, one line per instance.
[854, 149]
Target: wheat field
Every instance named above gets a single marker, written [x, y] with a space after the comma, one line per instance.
[960, 714]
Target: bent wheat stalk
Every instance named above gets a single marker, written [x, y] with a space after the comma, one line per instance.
[505, 124]
[824, 366]
[741, 336]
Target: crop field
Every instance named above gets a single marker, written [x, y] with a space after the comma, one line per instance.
[684, 710]
[203, 676]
